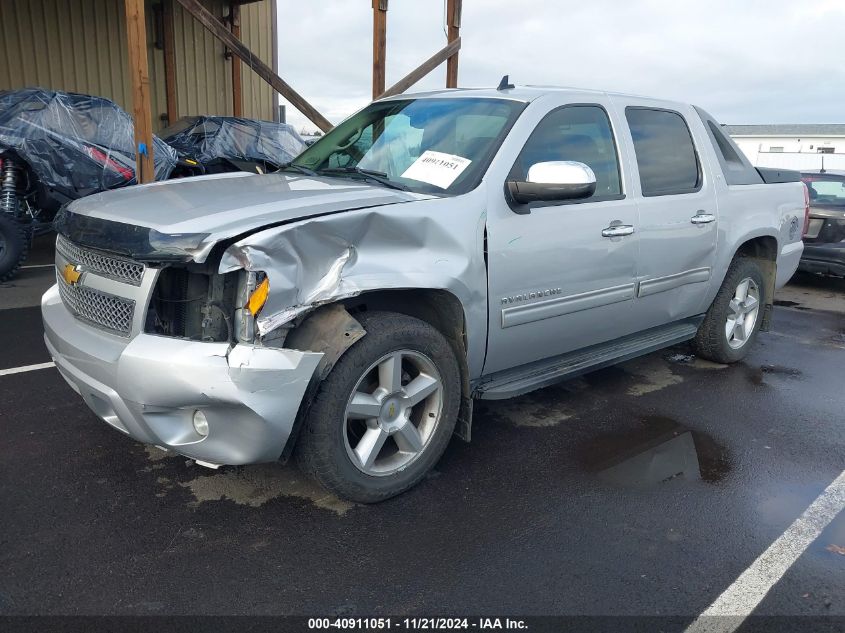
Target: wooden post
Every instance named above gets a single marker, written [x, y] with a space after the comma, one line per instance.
[170, 63]
[274, 98]
[219, 30]
[453, 22]
[444, 54]
[136, 35]
[237, 80]
[379, 46]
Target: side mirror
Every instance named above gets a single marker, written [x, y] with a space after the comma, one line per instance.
[552, 181]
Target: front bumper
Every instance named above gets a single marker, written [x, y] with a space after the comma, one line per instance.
[824, 258]
[149, 387]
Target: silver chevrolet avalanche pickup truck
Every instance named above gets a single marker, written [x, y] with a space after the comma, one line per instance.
[430, 250]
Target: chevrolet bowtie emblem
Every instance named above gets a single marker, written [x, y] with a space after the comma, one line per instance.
[71, 274]
[392, 411]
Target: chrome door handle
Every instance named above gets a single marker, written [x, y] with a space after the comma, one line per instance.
[702, 218]
[618, 230]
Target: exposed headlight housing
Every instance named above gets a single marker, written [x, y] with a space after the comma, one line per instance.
[258, 297]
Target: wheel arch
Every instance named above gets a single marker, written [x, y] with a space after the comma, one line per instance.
[444, 312]
[763, 249]
[332, 329]
[760, 247]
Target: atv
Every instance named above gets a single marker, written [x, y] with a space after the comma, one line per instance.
[56, 147]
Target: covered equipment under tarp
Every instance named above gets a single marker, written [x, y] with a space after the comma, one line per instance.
[214, 139]
[74, 144]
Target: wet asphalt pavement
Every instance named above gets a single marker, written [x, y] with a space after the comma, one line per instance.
[568, 501]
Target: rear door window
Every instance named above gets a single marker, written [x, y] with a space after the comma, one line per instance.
[666, 156]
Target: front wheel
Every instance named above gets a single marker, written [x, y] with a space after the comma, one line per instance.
[384, 415]
[733, 319]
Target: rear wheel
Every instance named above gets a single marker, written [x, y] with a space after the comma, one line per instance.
[733, 319]
[14, 246]
[384, 415]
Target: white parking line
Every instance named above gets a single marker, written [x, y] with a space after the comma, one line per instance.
[20, 370]
[739, 600]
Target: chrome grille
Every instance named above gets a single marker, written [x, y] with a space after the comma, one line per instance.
[116, 268]
[98, 308]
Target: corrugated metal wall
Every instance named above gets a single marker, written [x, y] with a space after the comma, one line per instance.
[80, 46]
[203, 76]
[257, 34]
[202, 88]
[77, 46]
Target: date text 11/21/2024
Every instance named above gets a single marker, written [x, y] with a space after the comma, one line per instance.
[416, 624]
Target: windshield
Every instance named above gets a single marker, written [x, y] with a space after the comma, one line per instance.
[423, 145]
[825, 189]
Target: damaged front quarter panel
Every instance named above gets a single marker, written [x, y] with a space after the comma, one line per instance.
[305, 268]
[431, 244]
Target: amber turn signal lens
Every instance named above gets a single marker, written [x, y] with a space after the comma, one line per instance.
[258, 297]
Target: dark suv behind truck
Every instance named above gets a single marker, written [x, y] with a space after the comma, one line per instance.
[824, 243]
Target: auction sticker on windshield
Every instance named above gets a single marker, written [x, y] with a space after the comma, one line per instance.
[437, 168]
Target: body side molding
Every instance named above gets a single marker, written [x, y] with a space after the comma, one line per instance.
[518, 315]
[670, 282]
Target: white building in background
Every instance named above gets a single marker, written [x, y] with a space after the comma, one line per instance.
[799, 146]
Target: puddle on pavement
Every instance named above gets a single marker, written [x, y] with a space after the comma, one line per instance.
[838, 339]
[780, 370]
[244, 485]
[256, 485]
[658, 450]
[691, 360]
[757, 375]
[542, 408]
[156, 454]
[637, 377]
[653, 375]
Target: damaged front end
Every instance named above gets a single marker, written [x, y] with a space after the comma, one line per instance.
[221, 341]
[166, 352]
[190, 302]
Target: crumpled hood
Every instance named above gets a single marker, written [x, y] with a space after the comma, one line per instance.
[217, 207]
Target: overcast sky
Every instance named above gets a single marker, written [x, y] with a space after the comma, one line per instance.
[745, 61]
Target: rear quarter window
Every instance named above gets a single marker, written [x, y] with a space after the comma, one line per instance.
[736, 167]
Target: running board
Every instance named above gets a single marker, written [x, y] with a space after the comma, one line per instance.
[515, 382]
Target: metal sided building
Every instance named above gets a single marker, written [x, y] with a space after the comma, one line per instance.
[803, 146]
[80, 46]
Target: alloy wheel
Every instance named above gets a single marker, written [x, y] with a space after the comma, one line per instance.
[743, 310]
[393, 412]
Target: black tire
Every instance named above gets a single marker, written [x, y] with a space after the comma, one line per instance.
[322, 449]
[711, 340]
[14, 246]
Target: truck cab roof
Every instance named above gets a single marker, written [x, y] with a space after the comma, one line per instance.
[526, 94]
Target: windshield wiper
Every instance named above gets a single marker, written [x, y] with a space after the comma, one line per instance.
[297, 168]
[378, 176]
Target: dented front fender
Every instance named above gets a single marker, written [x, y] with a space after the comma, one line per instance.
[430, 244]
